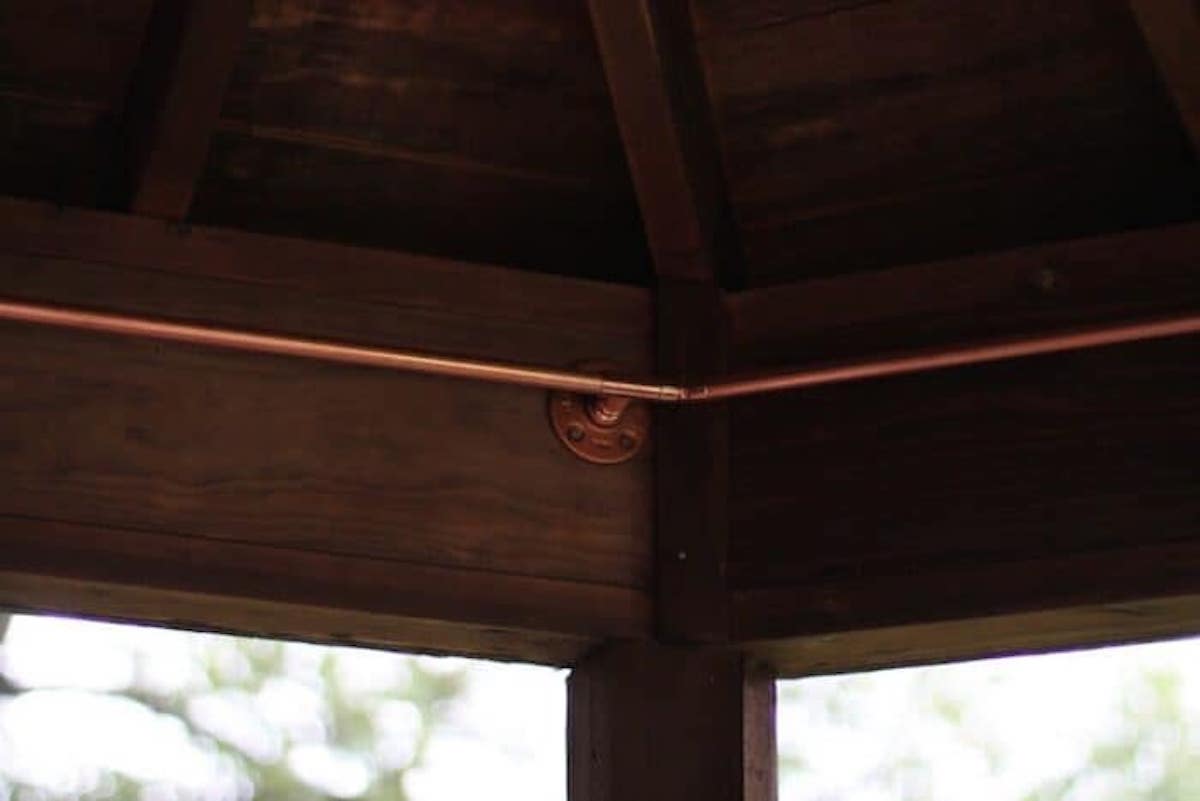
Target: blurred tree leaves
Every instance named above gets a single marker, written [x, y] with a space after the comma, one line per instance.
[291, 704]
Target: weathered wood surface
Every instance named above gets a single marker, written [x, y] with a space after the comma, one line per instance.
[1056, 481]
[173, 103]
[121, 438]
[649, 53]
[647, 721]
[863, 135]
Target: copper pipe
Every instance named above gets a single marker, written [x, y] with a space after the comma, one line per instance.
[326, 351]
[593, 384]
[954, 356]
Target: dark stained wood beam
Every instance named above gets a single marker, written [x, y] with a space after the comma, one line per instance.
[1056, 629]
[654, 75]
[1041, 288]
[1171, 29]
[173, 104]
[692, 471]
[927, 504]
[139, 474]
[307, 593]
[650, 721]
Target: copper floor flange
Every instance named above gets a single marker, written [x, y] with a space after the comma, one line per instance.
[601, 429]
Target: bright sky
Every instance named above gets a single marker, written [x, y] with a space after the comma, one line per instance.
[509, 727]
[1028, 719]
[506, 739]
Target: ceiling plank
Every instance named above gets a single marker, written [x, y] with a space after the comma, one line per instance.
[1171, 29]
[173, 104]
[649, 53]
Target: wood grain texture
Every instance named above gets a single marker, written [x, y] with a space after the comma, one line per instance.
[692, 471]
[646, 721]
[1031, 486]
[453, 130]
[1044, 288]
[662, 109]
[863, 135]
[334, 291]
[173, 102]
[1046, 482]
[272, 453]
[306, 621]
[1172, 32]
[147, 562]
[981, 637]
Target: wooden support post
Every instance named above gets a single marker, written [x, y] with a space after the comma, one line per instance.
[648, 721]
[692, 476]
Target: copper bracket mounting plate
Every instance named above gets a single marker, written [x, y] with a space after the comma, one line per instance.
[600, 429]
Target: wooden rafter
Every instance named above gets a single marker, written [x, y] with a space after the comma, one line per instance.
[654, 74]
[1171, 29]
[173, 104]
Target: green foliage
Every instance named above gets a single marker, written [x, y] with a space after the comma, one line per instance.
[1152, 756]
[1151, 752]
[242, 674]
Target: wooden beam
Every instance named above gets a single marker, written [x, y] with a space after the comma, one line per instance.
[274, 481]
[1010, 489]
[305, 593]
[310, 621]
[654, 722]
[654, 75]
[173, 104]
[997, 294]
[692, 484]
[1171, 29]
[980, 637]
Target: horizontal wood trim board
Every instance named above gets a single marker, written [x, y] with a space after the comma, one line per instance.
[982, 637]
[1069, 283]
[110, 557]
[310, 622]
[425, 302]
[1119, 575]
